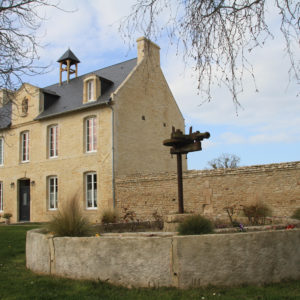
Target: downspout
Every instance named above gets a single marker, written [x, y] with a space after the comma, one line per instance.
[113, 151]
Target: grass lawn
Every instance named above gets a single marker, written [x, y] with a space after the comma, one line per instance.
[16, 282]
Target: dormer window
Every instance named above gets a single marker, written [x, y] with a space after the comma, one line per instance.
[91, 88]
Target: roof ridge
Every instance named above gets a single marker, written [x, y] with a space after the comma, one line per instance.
[92, 72]
[113, 65]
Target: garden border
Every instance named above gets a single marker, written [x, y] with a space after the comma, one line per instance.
[165, 259]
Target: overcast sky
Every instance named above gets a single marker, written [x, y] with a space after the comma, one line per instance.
[266, 128]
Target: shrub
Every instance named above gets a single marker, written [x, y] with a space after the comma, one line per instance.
[296, 214]
[129, 215]
[109, 216]
[257, 213]
[195, 225]
[233, 210]
[69, 221]
[7, 216]
[235, 224]
[158, 219]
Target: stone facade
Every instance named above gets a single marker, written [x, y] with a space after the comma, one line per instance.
[130, 127]
[145, 112]
[208, 192]
[69, 167]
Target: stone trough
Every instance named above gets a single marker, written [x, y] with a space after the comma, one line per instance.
[165, 259]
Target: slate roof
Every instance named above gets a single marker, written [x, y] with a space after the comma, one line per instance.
[68, 96]
[61, 99]
[69, 55]
[5, 116]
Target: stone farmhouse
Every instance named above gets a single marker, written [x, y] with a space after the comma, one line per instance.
[75, 137]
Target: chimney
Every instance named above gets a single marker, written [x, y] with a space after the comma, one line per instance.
[147, 49]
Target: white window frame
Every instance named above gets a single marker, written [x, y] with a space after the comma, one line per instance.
[53, 141]
[91, 134]
[90, 90]
[1, 151]
[1, 196]
[91, 190]
[52, 192]
[25, 146]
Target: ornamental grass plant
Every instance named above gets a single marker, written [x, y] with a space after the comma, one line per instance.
[70, 221]
[195, 225]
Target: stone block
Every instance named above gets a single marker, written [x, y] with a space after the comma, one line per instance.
[134, 261]
[176, 218]
[38, 256]
[239, 258]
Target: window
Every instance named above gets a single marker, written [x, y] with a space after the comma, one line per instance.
[25, 146]
[52, 192]
[91, 190]
[90, 133]
[1, 151]
[1, 196]
[90, 90]
[53, 141]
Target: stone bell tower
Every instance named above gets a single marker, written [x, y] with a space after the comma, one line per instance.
[66, 61]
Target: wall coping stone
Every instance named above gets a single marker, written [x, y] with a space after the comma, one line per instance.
[169, 176]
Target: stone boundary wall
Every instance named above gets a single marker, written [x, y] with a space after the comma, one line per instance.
[209, 191]
[161, 259]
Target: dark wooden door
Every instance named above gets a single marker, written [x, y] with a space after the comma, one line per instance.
[24, 200]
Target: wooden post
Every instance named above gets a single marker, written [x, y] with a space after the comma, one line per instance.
[68, 70]
[76, 69]
[180, 185]
[60, 73]
[182, 144]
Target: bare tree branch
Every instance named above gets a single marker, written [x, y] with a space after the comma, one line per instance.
[225, 161]
[216, 35]
[19, 20]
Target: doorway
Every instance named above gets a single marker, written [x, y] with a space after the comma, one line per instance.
[24, 200]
